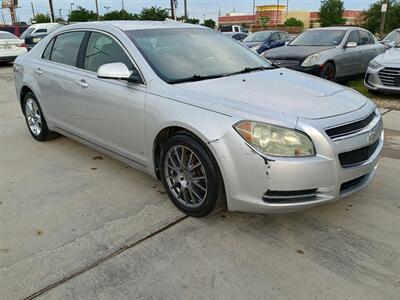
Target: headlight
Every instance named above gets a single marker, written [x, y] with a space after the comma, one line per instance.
[274, 140]
[255, 48]
[374, 65]
[311, 60]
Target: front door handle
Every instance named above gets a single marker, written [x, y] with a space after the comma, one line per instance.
[82, 83]
[39, 71]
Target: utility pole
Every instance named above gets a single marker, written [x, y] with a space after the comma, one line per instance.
[277, 14]
[287, 9]
[186, 9]
[254, 7]
[60, 13]
[123, 5]
[383, 19]
[33, 11]
[97, 10]
[12, 13]
[51, 11]
[173, 15]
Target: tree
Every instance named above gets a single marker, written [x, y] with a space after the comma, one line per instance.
[153, 13]
[331, 13]
[41, 18]
[263, 21]
[82, 15]
[294, 22]
[372, 17]
[209, 23]
[119, 15]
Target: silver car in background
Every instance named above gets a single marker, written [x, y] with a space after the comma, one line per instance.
[383, 74]
[332, 53]
[209, 117]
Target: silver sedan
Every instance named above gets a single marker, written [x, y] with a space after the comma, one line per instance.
[207, 116]
[383, 74]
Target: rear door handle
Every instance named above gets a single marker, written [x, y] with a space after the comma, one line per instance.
[39, 71]
[82, 83]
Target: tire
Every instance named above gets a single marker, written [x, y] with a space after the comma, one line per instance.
[328, 72]
[35, 119]
[194, 183]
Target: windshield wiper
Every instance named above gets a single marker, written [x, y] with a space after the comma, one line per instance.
[195, 78]
[248, 70]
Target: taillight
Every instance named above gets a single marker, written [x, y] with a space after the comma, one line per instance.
[23, 45]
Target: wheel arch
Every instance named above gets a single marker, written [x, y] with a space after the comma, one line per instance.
[24, 90]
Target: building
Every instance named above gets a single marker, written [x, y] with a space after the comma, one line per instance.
[273, 15]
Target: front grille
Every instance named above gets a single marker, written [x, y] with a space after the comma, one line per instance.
[285, 197]
[284, 63]
[351, 128]
[390, 76]
[352, 183]
[358, 156]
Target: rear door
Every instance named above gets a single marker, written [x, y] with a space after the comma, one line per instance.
[369, 49]
[111, 111]
[56, 75]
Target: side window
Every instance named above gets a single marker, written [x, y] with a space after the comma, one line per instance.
[236, 29]
[275, 37]
[47, 52]
[41, 30]
[101, 50]
[353, 37]
[66, 48]
[365, 38]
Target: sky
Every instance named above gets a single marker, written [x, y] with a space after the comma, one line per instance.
[197, 8]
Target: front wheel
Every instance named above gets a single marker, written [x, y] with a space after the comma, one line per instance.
[191, 176]
[328, 72]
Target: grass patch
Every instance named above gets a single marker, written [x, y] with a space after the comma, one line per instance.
[359, 86]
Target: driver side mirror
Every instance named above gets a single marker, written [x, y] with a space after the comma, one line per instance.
[351, 45]
[118, 71]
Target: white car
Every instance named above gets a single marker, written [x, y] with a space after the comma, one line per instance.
[39, 29]
[10, 46]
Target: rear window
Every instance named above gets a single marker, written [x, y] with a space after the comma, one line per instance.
[7, 36]
[66, 47]
[27, 33]
[225, 29]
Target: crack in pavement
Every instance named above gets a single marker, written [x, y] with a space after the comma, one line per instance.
[103, 259]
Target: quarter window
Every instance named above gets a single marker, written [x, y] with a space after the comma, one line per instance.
[66, 48]
[101, 50]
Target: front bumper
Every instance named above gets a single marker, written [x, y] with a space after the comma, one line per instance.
[314, 70]
[373, 82]
[259, 184]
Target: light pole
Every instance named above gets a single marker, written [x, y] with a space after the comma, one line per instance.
[71, 5]
[383, 20]
[107, 8]
[277, 14]
[186, 9]
[287, 9]
[123, 5]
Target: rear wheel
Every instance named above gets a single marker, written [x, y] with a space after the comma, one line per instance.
[191, 176]
[328, 72]
[35, 119]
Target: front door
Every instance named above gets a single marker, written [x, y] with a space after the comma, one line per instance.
[349, 61]
[111, 112]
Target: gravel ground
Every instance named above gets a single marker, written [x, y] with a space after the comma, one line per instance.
[393, 103]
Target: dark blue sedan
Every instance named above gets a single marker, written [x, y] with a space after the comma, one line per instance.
[264, 40]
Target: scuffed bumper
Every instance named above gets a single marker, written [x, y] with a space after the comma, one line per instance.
[252, 179]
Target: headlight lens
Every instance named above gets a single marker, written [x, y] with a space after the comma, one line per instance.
[311, 60]
[274, 140]
[374, 65]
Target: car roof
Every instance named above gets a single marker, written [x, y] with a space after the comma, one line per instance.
[337, 28]
[138, 25]
[43, 25]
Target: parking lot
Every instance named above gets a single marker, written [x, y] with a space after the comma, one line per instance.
[77, 224]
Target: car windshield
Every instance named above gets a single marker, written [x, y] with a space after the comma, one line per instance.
[27, 33]
[260, 36]
[179, 55]
[319, 38]
[4, 35]
[394, 36]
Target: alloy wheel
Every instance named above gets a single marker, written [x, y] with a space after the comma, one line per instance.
[33, 116]
[185, 176]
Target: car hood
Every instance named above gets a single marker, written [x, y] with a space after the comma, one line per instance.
[295, 52]
[278, 91]
[390, 57]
